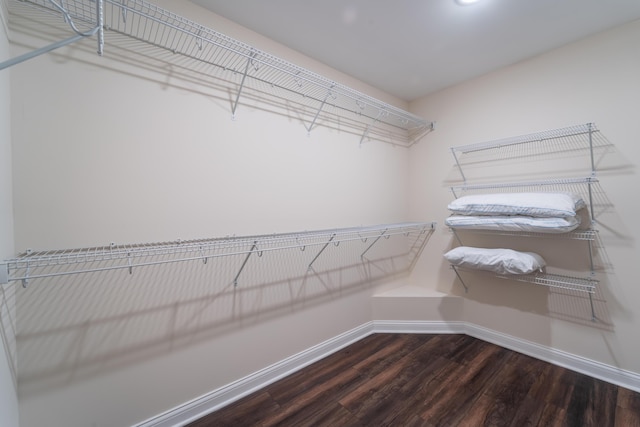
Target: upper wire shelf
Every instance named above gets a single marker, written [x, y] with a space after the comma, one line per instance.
[151, 24]
[569, 140]
[112, 257]
[571, 136]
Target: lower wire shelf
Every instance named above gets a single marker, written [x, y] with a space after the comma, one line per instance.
[559, 281]
[34, 264]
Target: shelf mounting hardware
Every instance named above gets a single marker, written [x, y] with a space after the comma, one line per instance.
[321, 250]
[373, 243]
[324, 101]
[381, 113]
[98, 29]
[253, 248]
[250, 59]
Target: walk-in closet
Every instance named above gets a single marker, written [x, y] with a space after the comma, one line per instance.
[206, 205]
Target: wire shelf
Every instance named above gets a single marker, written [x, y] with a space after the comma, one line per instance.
[559, 281]
[145, 22]
[129, 256]
[556, 281]
[556, 144]
[551, 144]
[572, 137]
[539, 185]
[588, 188]
[589, 235]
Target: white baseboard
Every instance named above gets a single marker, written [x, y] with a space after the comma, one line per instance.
[418, 327]
[223, 396]
[595, 369]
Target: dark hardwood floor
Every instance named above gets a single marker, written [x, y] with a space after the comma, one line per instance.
[432, 380]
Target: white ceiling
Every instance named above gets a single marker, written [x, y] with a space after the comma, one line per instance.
[410, 48]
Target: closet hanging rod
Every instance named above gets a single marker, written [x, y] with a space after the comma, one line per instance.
[204, 249]
[153, 25]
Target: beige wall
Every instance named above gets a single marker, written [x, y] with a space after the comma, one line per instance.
[128, 149]
[593, 80]
[8, 395]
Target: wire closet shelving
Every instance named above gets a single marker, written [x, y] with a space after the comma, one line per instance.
[569, 140]
[550, 142]
[150, 24]
[33, 264]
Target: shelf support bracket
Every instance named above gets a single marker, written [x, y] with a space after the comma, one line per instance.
[373, 243]
[253, 248]
[244, 76]
[466, 290]
[381, 113]
[324, 101]
[25, 279]
[321, 250]
[21, 58]
[98, 29]
[593, 312]
[464, 178]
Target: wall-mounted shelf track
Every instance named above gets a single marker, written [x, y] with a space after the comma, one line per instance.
[150, 24]
[40, 264]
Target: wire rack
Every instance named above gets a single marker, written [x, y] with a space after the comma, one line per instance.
[549, 143]
[587, 187]
[573, 141]
[588, 235]
[30, 265]
[145, 22]
[559, 281]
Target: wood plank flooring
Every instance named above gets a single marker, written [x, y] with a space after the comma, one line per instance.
[432, 380]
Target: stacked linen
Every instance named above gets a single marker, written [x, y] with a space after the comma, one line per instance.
[530, 212]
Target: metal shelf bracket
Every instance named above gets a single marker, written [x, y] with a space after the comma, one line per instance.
[372, 243]
[250, 59]
[321, 250]
[324, 101]
[98, 29]
[244, 263]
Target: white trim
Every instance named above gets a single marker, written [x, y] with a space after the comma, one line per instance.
[199, 407]
[592, 368]
[418, 327]
[203, 405]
